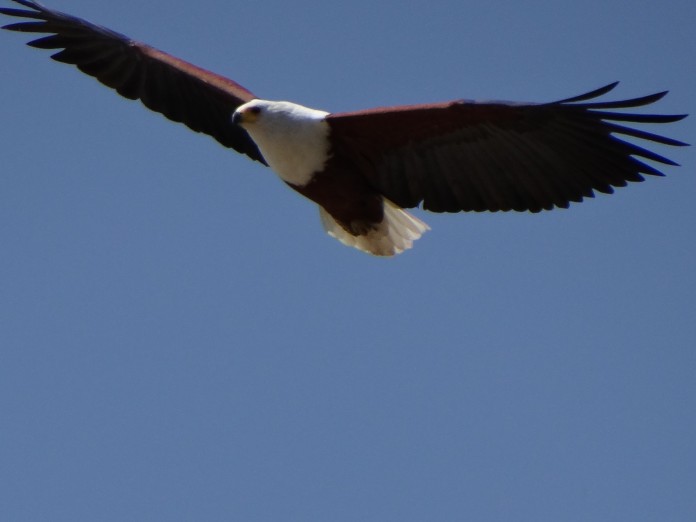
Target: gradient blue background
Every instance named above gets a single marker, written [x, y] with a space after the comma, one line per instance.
[179, 340]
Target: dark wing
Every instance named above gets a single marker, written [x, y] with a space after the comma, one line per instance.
[469, 156]
[182, 92]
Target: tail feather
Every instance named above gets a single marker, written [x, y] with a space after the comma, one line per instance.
[396, 233]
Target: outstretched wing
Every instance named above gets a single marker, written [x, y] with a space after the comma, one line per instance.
[184, 93]
[469, 156]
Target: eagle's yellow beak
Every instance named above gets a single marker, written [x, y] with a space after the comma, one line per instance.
[245, 115]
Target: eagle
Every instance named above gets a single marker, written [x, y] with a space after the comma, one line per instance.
[364, 168]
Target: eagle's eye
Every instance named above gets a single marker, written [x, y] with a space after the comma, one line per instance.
[255, 110]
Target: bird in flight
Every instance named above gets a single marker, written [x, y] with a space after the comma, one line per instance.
[364, 168]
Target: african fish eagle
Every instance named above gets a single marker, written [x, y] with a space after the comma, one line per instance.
[363, 168]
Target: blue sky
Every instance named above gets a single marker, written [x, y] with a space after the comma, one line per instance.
[181, 341]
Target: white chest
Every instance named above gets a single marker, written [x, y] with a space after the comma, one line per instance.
[293, 139]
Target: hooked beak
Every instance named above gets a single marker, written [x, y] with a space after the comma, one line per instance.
[237, 118]
[245, 114]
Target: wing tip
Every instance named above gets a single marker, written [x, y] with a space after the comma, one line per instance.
[31, 4]
[596, 93]
[34, 6]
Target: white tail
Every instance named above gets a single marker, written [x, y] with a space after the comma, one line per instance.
[396, 233]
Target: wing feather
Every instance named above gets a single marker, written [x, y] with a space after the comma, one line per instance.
[182, 92]
[477, 156]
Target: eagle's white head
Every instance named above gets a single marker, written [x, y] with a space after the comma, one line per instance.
[293, 139]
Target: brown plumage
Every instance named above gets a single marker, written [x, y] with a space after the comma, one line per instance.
[470, 156]
[182, 92]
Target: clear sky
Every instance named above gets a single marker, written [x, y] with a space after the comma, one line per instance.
[180, 341]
